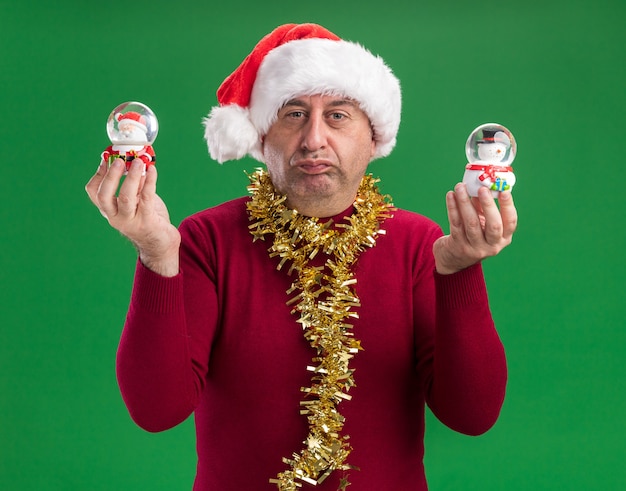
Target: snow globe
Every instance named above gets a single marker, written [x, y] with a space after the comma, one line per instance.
[132, 128]
[490, 151]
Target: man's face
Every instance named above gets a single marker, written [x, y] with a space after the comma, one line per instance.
[317, 152]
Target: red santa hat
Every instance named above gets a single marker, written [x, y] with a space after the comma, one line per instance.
[296, 60]
[134, 118]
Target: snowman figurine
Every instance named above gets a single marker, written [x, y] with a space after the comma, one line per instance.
[132, 128]
[490, 150]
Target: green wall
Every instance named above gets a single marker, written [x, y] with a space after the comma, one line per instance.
[553, 72]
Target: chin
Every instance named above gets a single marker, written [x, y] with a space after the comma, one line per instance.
[317, 184]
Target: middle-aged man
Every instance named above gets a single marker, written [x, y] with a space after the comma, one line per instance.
[307, 325]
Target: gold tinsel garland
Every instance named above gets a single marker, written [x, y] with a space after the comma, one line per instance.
[324, 299]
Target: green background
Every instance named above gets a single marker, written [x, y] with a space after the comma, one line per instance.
[553, 72]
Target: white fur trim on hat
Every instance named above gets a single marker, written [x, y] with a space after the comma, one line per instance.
[230, 135]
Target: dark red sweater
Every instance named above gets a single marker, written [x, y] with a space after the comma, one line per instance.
[219, 340]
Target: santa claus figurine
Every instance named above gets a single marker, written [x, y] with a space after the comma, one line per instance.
[490, 150]
[132, 128]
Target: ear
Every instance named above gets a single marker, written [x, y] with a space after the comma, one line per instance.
[372, 147]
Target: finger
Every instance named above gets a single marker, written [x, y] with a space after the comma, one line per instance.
[94, 183]
[129, 191]
[479, 209]
[148, 191]
[454, 216]
[149, 186]
[470, 218]
[509, 214]
[492, 224]
[106, 199]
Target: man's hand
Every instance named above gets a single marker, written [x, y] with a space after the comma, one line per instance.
[137, 212]
[478, 229]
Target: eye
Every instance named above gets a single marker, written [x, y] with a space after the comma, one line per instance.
[337, 116]
[296, 114]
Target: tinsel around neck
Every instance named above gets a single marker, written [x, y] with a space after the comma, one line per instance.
[325, 300]
[269, 216]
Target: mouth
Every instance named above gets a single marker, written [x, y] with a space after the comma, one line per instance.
[313, 167]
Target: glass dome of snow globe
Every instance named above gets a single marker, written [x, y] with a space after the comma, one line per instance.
[491, 143]
[132, 123]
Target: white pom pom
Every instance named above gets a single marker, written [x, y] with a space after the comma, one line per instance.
[230, 135]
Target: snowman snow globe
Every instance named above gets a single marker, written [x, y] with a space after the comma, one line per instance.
[490, 151]
[132, 128]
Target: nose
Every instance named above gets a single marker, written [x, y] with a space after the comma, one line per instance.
[314, 133]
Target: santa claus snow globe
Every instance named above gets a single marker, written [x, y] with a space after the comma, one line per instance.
[490, 150]
[132, 128]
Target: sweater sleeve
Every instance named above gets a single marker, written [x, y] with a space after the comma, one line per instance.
[164, 350]
[467, 386]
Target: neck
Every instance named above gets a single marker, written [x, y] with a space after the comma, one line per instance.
[320, 207]
[322, 202]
